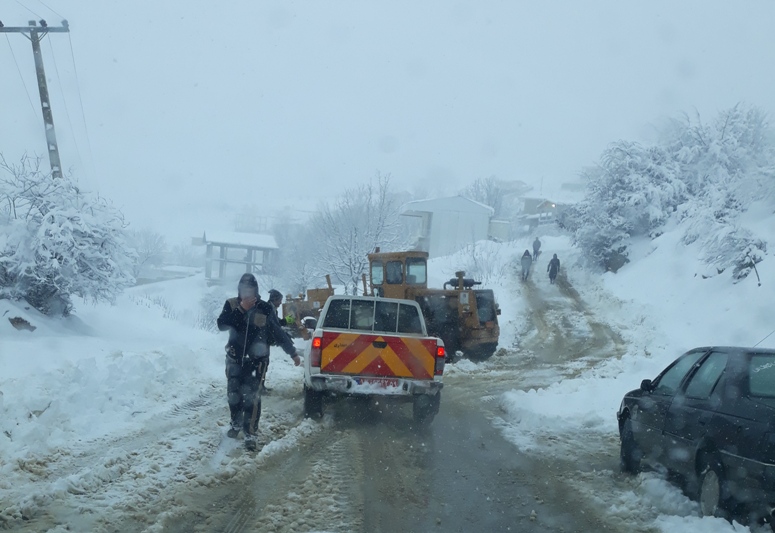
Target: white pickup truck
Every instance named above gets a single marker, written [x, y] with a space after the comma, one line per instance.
[366, 346]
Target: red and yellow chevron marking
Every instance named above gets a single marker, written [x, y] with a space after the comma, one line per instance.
[355, 353]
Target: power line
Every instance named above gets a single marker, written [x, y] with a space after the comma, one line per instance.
[83, 114]
[764, 339]
[28, 9]
[19, 70]
[50, 9]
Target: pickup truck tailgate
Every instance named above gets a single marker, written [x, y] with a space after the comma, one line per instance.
[377, 355]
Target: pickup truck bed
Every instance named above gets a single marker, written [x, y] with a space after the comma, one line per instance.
[367, 346]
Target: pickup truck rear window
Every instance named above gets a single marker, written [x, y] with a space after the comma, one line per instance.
[338, 315]
[409, 320]
[374, 316]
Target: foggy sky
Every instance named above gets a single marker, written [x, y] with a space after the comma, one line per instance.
[194, 109]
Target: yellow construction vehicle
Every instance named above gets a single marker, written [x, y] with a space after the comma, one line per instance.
[301, 312]
[465, 318]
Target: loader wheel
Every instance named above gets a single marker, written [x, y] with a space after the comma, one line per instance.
[313, 403]
[482, 352]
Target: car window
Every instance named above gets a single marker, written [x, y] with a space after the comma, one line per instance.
[669, 382]
[416, 271]
[409, 319]
[394, 272]
[377, 274]
[338, 314]
[386, 317]
[761, 381]
[704, 380]
[362, 315]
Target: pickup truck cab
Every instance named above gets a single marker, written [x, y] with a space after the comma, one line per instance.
[368, 346]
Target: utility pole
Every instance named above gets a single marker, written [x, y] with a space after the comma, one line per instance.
[35, 34]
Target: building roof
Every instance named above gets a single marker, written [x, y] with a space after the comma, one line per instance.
[237, 239]
[450, 203]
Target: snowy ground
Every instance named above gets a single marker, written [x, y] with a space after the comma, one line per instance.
[105, 415]
[659, 306]
[109, 409]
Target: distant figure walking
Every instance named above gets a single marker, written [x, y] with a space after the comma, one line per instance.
[553, 268]
[536, 249]
[527, 261]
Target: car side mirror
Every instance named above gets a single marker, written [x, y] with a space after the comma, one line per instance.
[646, 385]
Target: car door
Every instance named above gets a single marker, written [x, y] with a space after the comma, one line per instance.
[692, 412]
[648, 416]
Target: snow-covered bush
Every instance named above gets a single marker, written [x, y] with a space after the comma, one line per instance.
[59, 241]
[701, 177]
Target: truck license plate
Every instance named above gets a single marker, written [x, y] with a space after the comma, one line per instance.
[377, 381]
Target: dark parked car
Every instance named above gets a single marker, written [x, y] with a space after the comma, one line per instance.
[710, 418]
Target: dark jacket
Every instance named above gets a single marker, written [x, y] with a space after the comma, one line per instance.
[526, 260]
[553, 267]
[250, 331]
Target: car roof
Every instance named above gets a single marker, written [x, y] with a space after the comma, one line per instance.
[372, 298]
[736, 350]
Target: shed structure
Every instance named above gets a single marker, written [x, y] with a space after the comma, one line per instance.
[237, 254]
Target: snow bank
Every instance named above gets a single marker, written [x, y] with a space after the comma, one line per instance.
[97, 372]
[662, 305]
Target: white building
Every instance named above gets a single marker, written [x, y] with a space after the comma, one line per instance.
[446, 225]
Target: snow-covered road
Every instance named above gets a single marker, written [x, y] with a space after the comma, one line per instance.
[107, 429]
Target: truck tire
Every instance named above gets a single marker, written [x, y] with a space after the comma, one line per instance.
[425, 407]
[313, 403]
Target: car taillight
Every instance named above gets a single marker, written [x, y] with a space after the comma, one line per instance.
[441, 354]
[315, 352]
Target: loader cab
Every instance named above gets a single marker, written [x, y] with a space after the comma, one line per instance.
[393, 274]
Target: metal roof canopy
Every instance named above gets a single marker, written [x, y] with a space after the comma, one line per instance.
[235, 239]
[252, 243]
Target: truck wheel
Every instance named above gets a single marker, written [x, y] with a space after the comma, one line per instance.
[313, 403]
[424, 408]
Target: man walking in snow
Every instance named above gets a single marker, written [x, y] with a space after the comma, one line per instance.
[536, 248]
[526, 262]
[276, 299]
[250, 323]
[553, 268]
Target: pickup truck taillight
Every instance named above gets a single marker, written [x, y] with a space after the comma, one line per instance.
[441, 354]
[315, 351]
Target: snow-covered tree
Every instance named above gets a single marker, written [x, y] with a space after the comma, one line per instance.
[296, 264]
[149, 246]
[363, 219]
[486, 191]
[700, 176]
[59, 241]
